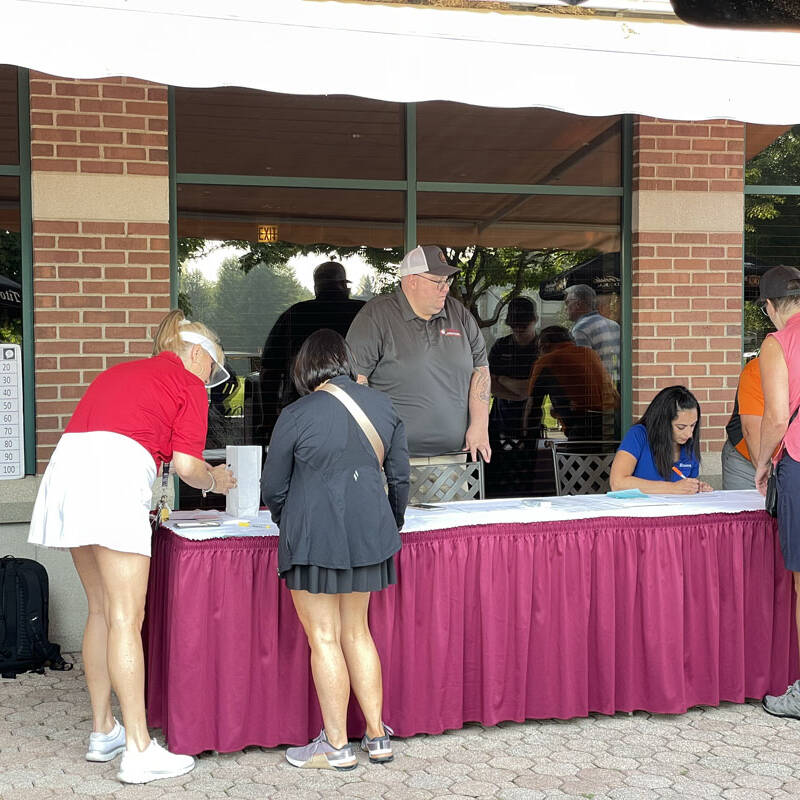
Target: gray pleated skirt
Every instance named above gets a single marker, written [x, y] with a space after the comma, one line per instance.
[322, 580]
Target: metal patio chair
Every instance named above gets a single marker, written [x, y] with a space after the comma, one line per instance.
[451, 480]
[582, 467]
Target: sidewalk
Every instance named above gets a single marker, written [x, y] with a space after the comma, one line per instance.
[736, 752]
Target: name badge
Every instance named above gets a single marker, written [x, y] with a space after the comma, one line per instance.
[450, 332]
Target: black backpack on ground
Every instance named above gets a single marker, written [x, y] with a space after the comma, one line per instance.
[24, 591]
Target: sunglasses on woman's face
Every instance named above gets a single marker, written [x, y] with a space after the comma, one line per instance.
[762, 304]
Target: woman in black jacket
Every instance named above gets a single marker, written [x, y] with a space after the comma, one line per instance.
[339, 530]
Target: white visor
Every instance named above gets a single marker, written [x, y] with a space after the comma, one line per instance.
[218, 372]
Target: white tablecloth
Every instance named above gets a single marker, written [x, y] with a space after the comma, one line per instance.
[490, 512]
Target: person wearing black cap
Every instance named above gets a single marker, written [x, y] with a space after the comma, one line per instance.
[511, 360]
[779, 361]
[331, 308]
[510, 364]
[423, 348]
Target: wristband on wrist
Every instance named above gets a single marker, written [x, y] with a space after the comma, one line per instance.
[213, 484]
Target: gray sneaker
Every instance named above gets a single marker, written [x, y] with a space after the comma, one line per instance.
[379, 748]
[787, 705]
[321, 754]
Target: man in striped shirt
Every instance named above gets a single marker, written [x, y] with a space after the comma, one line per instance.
[591, 329]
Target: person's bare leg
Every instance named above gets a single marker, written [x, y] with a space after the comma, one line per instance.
[95, 640]
[361, 656]
[319, 615]
[124, 577]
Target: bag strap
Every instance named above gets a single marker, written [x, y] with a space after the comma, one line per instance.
[359, 416]
[9, 601]
[36, 611]
[780, 446]
[5, 605]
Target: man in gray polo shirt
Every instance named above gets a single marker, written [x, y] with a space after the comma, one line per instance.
[425, 350]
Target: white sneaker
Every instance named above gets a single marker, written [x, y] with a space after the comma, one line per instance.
[106, 746]
[151, 764]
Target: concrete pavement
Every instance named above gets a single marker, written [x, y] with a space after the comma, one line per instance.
[736, 752]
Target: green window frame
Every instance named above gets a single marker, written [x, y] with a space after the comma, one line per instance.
[22, 171]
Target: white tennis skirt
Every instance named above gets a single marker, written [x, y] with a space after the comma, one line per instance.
[97, 489]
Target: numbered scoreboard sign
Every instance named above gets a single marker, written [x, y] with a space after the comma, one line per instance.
[12, 453]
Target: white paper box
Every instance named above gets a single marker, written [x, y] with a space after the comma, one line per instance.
[245, 463]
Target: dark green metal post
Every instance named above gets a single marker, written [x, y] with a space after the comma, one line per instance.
[626, 273]
[26, 245]
[173, 202]
[410, 238]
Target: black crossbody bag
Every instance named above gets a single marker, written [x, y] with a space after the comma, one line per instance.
[771, 498]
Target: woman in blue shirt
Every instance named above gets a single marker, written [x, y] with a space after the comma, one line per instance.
[661, 453]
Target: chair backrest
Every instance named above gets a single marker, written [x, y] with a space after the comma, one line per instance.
[582, 467]
[446, 480]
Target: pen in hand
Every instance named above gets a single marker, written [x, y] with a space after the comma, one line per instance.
[699, 484]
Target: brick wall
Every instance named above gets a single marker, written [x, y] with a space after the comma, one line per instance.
[115, 126]
[687, 264]
[101, 263]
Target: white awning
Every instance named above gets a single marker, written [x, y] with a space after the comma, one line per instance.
[590, 66]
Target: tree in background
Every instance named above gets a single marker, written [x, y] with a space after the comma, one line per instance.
[196, 295]
[247, 304]
[189, 247]
[482, 269]
[366, 288]
[513, 269]
[772, 222]
[241, 307]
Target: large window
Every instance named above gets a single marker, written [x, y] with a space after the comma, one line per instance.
[240, 287]
[771, 218]
[269, 186]
[539, 246]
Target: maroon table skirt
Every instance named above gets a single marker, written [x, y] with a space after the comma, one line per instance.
[486, 623]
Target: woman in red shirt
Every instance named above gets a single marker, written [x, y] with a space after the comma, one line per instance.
[95, 500]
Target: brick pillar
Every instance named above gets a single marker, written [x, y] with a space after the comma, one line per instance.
[100, 234]
[687, 264]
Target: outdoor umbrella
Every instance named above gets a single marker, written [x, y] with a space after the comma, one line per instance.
[10, 294]
[603, 275]
[601, 272]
